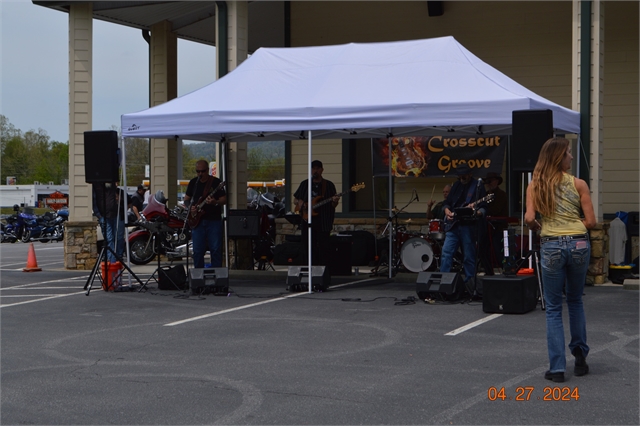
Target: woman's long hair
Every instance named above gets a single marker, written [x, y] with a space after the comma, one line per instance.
[547, 175]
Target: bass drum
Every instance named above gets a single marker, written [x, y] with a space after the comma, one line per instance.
[417, 255]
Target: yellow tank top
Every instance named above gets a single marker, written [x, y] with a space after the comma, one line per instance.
[566, 219]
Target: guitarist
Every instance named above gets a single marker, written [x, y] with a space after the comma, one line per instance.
[462, 232]
[208, 233]
[321, 217]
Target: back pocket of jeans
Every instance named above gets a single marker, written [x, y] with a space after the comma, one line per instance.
[551, 258]
[580, 256]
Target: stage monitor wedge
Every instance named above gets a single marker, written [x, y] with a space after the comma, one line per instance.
[101, 156]
[448, 285]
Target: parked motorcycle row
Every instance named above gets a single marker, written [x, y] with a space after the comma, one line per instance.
[25, 226]
[160, 231]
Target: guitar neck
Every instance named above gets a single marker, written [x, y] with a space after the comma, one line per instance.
[323, 202]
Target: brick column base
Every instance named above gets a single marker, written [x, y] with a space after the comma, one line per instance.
[80, 245]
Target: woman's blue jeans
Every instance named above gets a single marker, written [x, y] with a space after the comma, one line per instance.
[114, 237]
[564, 267]
[207, 235]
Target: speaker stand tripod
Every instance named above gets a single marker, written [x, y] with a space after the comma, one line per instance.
[536, 259]
[95, 271]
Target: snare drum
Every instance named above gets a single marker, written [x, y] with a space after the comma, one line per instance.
[436, 229]
[416, 254]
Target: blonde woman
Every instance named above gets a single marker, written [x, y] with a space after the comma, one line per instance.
[563, 203]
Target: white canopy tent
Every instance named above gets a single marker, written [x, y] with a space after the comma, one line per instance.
[372, 90]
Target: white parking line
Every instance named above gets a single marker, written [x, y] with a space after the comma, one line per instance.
[4, 296]
[44, 282]
[40, 300]
[473, 324]
[226, 311]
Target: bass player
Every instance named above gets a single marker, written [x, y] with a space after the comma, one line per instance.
[207, 228]
[321, 218]
[461, 229]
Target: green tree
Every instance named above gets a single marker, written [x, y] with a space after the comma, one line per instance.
[137, 157]
[31, 156]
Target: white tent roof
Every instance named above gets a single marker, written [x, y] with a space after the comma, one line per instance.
[416, 87]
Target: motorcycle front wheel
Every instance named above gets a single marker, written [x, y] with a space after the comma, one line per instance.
[26, 236]
[141, 250]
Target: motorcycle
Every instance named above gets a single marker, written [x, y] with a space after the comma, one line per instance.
[160, 231]
[4, 236]
[21, 226]
[51, 226]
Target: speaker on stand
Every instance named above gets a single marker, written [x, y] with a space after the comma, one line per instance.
[101, 163]
[530, 130]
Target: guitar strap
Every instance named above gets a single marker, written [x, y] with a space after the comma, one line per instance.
[206, 189]
[324, 187]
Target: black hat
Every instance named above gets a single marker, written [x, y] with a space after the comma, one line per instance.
[142, 187]
[462, 169]
[316, 164]
[494, 176]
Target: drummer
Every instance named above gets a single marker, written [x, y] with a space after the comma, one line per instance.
[437, 212]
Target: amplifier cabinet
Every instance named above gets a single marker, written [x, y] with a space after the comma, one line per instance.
[509, 295]
[244, 223]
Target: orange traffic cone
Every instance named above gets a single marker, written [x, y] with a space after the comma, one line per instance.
[32, 263]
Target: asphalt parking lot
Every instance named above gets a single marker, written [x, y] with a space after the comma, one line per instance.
[360, 353]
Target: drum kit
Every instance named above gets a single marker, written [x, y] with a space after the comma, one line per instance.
[415, 251]
[420, 252]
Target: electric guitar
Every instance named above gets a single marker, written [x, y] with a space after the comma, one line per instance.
[194, 217]
[450, 223]
[316, 202]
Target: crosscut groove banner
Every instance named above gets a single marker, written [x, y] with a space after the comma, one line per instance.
[430, 156]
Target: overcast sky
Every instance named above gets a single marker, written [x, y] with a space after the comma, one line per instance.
[34, 93]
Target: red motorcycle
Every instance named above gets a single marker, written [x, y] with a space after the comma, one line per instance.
[160, 231]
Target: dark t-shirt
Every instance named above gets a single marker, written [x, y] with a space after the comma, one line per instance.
[326, 213]
[195, 190]
[106, 200]
[137, 200]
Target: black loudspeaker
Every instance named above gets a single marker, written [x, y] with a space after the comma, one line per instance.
[298, 278]
[172, 278]
[530, 130]
[244, 223]
[509, 295]
[209, 281]
[101, 156]
[444, 284]
[435, 8]
[340, 258]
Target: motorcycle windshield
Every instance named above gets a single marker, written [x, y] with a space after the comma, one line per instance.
[154, 207]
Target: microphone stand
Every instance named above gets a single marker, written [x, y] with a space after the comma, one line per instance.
[393, 230]
[473, 292]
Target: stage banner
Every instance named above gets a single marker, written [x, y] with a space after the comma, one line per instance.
[431, 156]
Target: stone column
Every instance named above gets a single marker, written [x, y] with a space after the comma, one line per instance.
[237, 18]
[599, 262]
[164, 87]
[80, 230]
